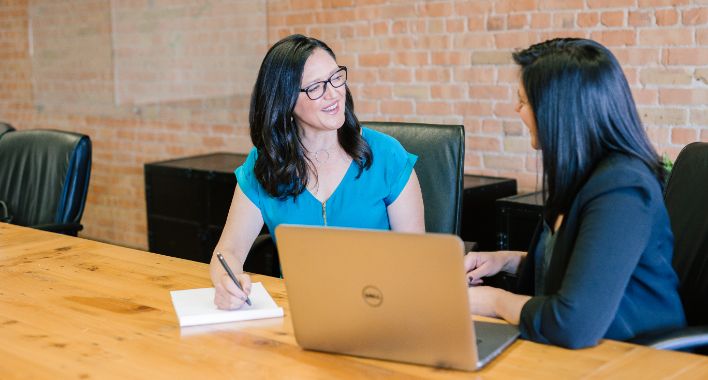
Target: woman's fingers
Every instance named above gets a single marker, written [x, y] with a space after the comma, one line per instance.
[228, 296]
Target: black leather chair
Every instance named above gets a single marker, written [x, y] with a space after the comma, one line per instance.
[44, 176]
[4, 128]
[687, 203]
[440, 170]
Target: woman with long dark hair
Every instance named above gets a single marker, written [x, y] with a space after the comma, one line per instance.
[312, 162]
[599, 265]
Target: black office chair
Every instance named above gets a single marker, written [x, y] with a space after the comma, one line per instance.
[4, 128]
[44, 176]
[440, 170]
[687, 204]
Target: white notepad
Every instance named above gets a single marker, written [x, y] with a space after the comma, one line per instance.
[196, 307]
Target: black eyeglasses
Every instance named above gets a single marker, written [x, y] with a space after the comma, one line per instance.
[317, 89]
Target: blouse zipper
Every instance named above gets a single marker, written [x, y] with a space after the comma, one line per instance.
[324, 213]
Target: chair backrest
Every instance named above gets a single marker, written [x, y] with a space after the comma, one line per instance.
[686, 197]
[4, 128]
[440, 168]
[44, 175]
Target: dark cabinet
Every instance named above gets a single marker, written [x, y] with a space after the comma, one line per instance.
[188, 200]
[478, 208]
[517, 218]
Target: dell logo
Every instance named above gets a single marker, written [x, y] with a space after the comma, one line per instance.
[372, 296]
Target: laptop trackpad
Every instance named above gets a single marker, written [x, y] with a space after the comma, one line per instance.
[492, 338]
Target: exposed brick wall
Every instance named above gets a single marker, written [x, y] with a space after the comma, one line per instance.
[426, 61]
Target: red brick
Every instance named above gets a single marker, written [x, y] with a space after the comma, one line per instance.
[669, 37]
[588, 19]
[702, 36]
[483, 144]
[685, 56]
[397, 107]
[418, 92]
[476, 23]
[561, 4]
[515, 40]
[473, 41]
[473, 74]
[615, 37]
[473, 7]
[683, 135]
[612, 19]
[450, 58]
[496, 23]
[639, 18]
[665, 76]
[448, 92]
[477, 108]
[510, 6]
[695, 16]
[375, 59]
[434, 42]
[455, 25]
[683, 96]
[371, 91]
[637, 56]
[645, 96]
[432, 74]
[396, 74]
[503, 162]
[337, 3]
[666, 17]
[489, 92]
[436, 26]
[435, 9]
[413, 58]
[541, 20]
[611, 3]
[564, 20]
[393, 43]
[433, 108]
[517, 21]
[399, 26]
[392, 12]
[660, 3]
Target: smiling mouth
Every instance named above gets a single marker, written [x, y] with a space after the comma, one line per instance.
[332, 108]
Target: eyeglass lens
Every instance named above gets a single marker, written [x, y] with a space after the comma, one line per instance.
[318, 89]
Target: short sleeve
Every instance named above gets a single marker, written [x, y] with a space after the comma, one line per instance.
[246, 178]
[399, 167]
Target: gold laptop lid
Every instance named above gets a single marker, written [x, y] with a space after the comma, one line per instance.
[378, 294]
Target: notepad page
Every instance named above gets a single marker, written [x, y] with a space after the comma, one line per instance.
[196, 307]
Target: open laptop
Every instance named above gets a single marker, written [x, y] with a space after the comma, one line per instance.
[385, 295]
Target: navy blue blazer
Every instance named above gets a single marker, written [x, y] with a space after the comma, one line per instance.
[610, 275]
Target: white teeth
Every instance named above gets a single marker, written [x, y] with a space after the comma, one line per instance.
[330, 108]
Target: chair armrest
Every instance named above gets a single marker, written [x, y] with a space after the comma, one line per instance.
[62, 228]
[263, 257]
[686, 338]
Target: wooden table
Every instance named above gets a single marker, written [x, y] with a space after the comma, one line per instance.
[77, 309]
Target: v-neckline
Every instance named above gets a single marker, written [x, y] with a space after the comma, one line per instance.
[336, 189]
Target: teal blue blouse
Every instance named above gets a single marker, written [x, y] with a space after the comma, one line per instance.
[356, 202]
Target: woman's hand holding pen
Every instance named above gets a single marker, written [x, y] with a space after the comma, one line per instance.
[228, 296]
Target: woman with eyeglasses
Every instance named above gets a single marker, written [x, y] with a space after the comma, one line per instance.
[600, 265]
[312, 162]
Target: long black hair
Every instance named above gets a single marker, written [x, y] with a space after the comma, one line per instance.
[584, 111]
[282, 167]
